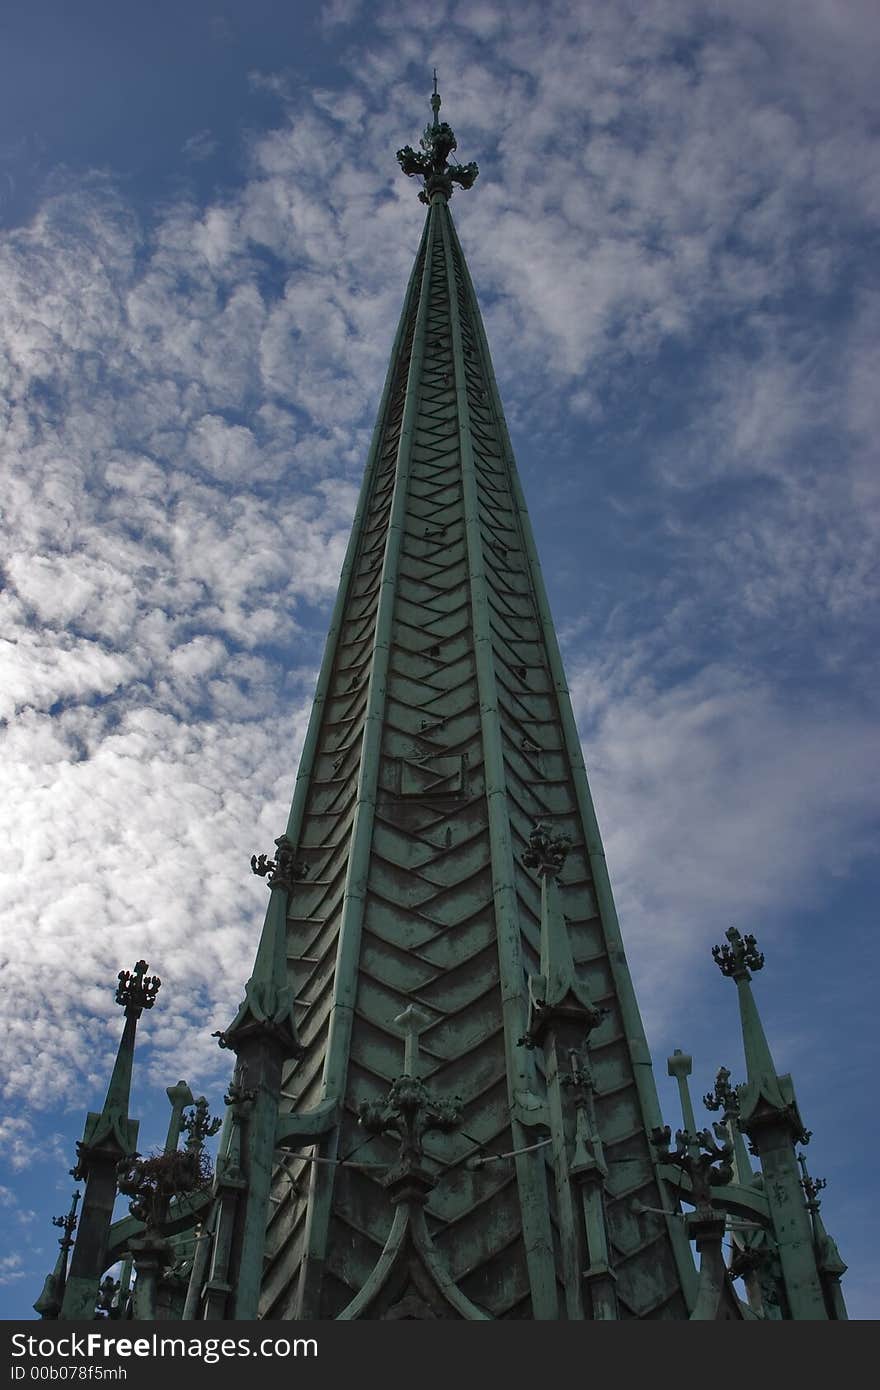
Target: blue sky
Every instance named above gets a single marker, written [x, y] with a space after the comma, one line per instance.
[204, 242]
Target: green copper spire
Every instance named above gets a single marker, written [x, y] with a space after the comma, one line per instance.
[765, 1093]
[560, 991]
[769, 1115]
[443, 1102]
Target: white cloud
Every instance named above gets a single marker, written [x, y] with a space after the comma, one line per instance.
[10, 1268]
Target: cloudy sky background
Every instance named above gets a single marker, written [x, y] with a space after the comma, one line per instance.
[204, 243]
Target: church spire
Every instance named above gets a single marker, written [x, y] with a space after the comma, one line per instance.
[431, 165]
[442, 874]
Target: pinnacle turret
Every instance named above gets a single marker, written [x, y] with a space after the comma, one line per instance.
[267, 1010]
[765, 1093]
[769, 1115]
[828, 1258]
[135, 991]
[725, 1098]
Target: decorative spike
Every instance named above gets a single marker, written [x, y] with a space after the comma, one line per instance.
[724, 1096]
[264, 1036]
[437, 143]
[739, 957]
[435, 101]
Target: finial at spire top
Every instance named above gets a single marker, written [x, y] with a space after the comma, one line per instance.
[437, 144]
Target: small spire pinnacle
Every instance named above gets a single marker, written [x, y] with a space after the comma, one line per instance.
[680, 1065]
[559, 992]
[725, 1097]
